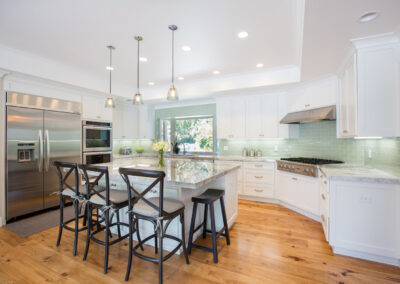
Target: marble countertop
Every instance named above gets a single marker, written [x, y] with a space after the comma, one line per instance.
[201, 157]
[359, 173]
[179, 172]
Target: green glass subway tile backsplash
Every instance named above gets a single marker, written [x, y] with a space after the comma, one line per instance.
[319, 140]
[142, 143]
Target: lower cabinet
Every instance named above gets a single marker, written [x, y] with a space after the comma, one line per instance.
[299, 191]
[365, 220]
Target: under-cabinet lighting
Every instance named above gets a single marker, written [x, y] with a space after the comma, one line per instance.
[372, 137]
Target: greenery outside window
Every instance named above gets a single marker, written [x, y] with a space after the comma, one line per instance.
[193, 134]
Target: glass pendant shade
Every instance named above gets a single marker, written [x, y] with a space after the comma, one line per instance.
[110, 103]
[138, 100]
[172, 94]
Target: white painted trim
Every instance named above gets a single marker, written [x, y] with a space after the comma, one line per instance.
[368, 256]
[376, 40]
[259, 199]
[185, 103]
[299, 14]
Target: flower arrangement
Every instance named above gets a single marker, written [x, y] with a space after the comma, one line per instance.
[160, 147]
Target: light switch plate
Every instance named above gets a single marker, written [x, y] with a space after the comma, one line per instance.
[226, 148]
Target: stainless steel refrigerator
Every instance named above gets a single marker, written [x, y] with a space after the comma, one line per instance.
[37, 136]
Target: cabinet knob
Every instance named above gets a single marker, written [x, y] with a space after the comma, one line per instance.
[344, 131]
[323, 196]
[323, 218]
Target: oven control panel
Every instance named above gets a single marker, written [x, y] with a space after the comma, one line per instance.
[297, 168]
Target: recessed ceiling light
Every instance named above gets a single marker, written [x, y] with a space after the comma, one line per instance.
[186, 48]
[368, 16]
[216, 72]
[151, 83]
[143, 59]
[181, 78]
[109, 68]
[259, 65]
[243, 34]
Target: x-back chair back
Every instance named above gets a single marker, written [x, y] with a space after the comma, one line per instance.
[140, 196]
[91, 186]
[63, 175]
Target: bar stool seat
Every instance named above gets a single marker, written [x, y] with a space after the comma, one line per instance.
[170, 206]
[208, 198]
[117, 197]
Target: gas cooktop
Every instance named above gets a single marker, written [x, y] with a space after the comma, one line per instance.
[312, 161]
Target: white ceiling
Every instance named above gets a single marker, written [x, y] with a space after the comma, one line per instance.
[75, 34]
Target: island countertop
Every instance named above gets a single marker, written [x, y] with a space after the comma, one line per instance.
[179, 172]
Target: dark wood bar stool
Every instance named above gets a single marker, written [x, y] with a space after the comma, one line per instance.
[68, 173]
[157, 210]
[106, 201]
[208, 198]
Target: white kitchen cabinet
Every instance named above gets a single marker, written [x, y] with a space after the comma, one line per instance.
[370, 80]
[231, 117]
[146, 122]
[125, 122]
[262, 116]
[93, 108]
[347, 109]
[313, 95]
[365, 220]
[299, 191]
[259, 179]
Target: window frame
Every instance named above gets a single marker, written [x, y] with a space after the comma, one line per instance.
[162, 130]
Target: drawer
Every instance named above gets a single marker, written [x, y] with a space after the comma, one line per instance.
[258, 190]
[259, 176]
[259, 166]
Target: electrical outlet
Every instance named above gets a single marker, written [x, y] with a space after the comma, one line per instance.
[365, 199]
[369, 153]
[226, 148]
[276, 148]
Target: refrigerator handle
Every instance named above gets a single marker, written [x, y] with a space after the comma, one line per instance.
[40, 158]
[47, 150]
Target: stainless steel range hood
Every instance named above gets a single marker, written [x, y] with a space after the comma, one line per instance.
[323, 113]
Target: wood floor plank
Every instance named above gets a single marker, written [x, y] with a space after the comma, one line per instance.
[269, 244]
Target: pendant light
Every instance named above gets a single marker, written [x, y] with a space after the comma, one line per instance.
[109, 101]
[172, 93]
[138, 100]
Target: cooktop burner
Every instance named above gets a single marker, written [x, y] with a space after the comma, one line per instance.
[312, 161]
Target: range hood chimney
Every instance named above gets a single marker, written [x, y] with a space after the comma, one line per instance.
[318, 114]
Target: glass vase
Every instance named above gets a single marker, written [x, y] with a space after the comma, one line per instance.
[161, 158]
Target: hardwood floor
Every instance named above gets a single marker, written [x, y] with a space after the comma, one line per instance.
[269, 244]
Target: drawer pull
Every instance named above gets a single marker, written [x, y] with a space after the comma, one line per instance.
[258, 190]
[293, 178]
[258, 166]
[323, 196]
[344, 131]
[325, 182]
[258, 176]
[261, 135]
[307, 105]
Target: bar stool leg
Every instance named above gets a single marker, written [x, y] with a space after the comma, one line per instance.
[90, 224]
[76, 205]
[61, 220]
[214, 240]
[85, 216]
[228, 241]
[183, 237]
[155, 241]
[107, 214]
[192, 223]
[119, 227]
[138, 234]
[160, 253]
[205, 220]
[128, 268]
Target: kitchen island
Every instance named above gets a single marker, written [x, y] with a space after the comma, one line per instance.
[184, 180]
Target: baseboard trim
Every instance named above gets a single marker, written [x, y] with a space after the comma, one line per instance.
[258, 199]
[367, 256]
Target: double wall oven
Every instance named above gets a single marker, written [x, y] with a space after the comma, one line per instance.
[96, 142]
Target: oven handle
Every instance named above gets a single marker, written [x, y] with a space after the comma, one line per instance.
[98, 127]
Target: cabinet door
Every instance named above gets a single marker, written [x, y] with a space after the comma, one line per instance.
[118, 122]
[269, 116]
[347, 122]
[308, 194]
[237, 117]
[253, 117]
[130, 125]
[378, 91]
[93, 108]
[223, 118]
[146, 122]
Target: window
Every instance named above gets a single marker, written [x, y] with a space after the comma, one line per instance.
[193, 134]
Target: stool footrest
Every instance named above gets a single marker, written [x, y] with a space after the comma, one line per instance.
[202, 248]
[219, 233]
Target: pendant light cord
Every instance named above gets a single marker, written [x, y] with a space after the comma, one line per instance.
[173, 58]
[110, 67]
[138, 59]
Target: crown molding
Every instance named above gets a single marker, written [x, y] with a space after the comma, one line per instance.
[376, 40]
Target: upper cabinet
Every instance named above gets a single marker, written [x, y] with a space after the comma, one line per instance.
[262, 116]
[231, 117]
[93, 108]
[313, 95]
[133, 122]
[369, 96]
